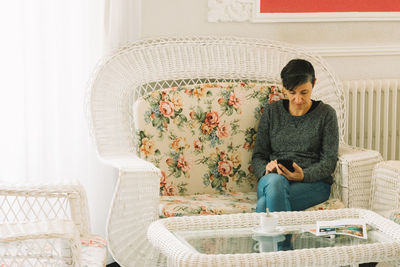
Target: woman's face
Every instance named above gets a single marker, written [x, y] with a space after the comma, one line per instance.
[300, 97]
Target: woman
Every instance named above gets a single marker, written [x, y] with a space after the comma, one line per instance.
[302, 130]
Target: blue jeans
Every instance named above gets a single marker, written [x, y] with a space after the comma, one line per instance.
[276, 193]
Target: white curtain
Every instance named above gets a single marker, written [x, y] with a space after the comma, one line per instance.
[48, 51]
[122, 22]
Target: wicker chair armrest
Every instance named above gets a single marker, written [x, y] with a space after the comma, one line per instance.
[351, 153]
[134, 206]
[131, 163]
[353, 175]
[63, 229]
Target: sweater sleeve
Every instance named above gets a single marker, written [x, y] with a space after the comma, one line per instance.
[329, 151]
[261, 152]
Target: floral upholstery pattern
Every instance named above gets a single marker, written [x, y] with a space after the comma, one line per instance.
[201, 136]
[330, 204]
[227, 203]
[395, 216]
[206, 204]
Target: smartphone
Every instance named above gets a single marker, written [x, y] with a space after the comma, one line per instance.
[288, 163]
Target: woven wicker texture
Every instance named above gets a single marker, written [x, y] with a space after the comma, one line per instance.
[42, 225]
[385, 189]
[179, 254]
[353, 174]
[148, 65]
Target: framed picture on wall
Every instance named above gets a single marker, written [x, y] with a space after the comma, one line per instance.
[326, 10]
[303, 10]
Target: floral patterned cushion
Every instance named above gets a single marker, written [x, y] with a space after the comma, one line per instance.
[206, 204]
[201, 136]
[94, 251]
[330, 204]
[226, 203]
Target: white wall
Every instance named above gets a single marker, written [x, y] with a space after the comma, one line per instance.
[355, 50]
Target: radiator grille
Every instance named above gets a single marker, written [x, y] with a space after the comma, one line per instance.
[373, 117]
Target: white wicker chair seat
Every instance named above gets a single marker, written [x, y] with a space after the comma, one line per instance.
[148, 67]
[47, 224]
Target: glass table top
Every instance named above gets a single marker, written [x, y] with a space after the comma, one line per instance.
[247, 240]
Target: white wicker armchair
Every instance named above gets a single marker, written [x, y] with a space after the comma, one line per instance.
[148, 65]
[47, 225]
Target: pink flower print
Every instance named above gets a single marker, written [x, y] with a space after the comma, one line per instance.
[274, 96]
[225, 167]
[167, 108]
[183, 163]
[170, 190]
[212, 119]
[205, 211]
[168, 214]
[224, 129]
[234, 100]
[212, 177]
[206, 129]
[169, 161]
[163, 95]
[222, 155]
[197, 144]
[164, 178]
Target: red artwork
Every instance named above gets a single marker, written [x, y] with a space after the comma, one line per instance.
[317, 6]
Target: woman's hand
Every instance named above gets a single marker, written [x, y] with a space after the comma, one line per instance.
[297, 175]
[272, 166]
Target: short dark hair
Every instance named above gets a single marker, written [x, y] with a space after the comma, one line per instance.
[297, 72]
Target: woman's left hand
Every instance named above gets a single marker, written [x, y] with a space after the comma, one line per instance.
[297, 175]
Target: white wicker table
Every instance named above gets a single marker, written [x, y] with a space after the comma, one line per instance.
[228, 240]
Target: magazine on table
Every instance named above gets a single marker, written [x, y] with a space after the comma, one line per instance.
[351, 227]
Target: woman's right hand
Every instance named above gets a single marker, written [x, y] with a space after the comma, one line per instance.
[272, 166]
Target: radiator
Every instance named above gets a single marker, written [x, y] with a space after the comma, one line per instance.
[373, 117]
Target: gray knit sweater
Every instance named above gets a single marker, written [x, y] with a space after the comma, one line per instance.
[311, 140]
